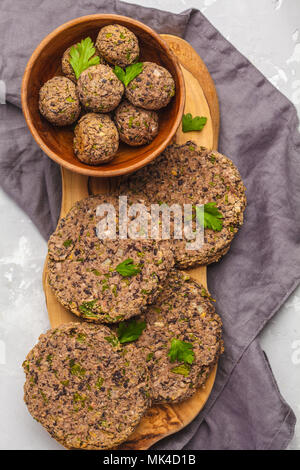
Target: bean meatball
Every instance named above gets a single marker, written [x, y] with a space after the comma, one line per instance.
[99, 89]
[67, 68]
[96, 139]
[153, 88]
[136, 126]
[118, 45]
[58, 101]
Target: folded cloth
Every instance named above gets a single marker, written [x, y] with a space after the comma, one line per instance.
[238, 418]
[259, 132]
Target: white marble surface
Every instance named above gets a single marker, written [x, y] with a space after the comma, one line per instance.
[267, 32]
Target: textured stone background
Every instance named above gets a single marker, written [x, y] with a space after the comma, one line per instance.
[266, 32]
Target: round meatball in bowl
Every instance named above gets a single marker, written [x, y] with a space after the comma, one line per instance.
[99, 89]
[96, 139]
[58, 101]
[118, 45]
[153, 88]
[136, 126]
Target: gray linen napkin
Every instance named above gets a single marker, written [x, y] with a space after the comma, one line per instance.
[259, 132]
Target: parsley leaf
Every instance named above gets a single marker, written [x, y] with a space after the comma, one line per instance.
[212, 217]
[193, 124]
[127, 268]
[130, 331]
[130, 72]
[81, 56]
[181, 351]
[119, 72]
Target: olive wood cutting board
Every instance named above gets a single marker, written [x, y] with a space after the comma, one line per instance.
[201, 99]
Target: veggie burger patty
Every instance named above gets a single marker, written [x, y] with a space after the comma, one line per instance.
[103, 280]
[83, 388]
[182, 339]
[187, 174]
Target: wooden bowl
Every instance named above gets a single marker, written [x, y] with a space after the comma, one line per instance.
[45, 63]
